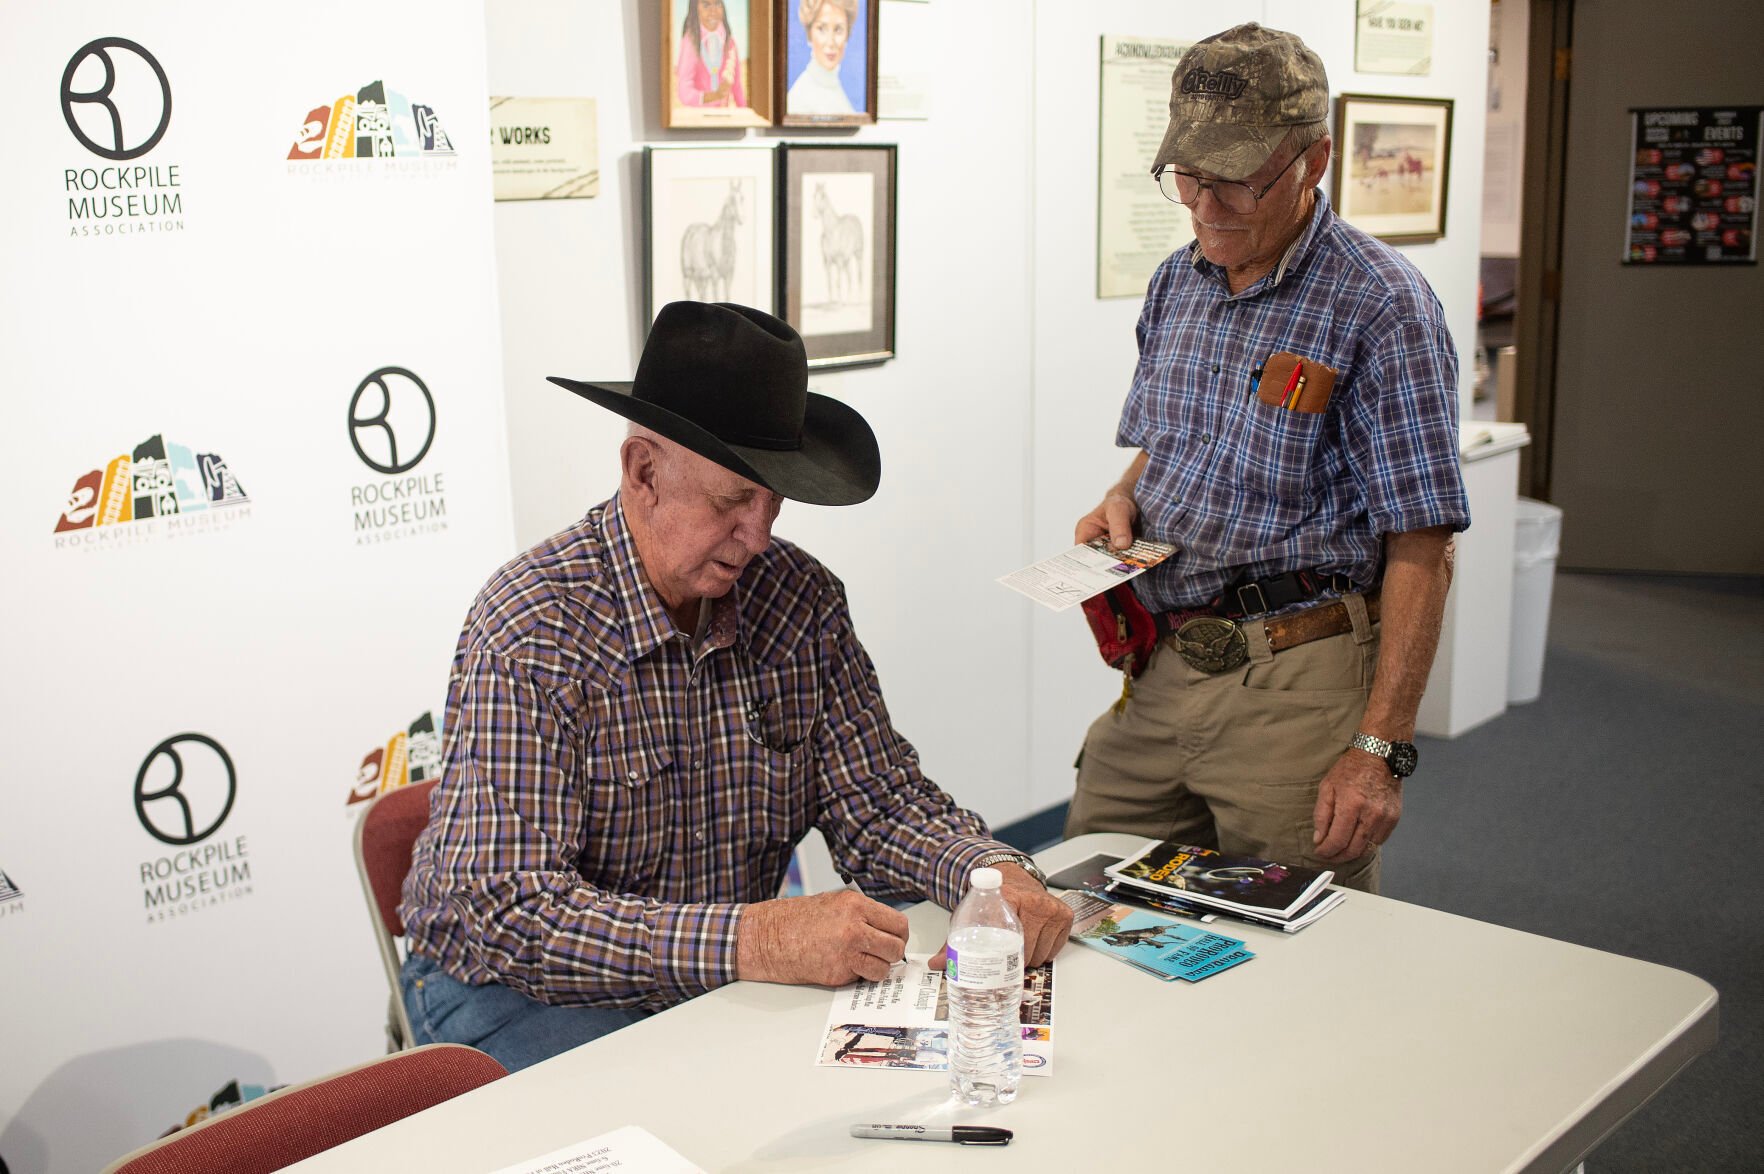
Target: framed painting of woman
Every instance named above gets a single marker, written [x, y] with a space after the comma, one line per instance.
[716, 63]
[826, 62]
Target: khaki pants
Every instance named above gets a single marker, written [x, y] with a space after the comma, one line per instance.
[1232, 761]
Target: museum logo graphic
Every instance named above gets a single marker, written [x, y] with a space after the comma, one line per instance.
[392, 425]
[372, 131]
[12, 897]
[158, 490]
[409, 756]
[117, 102]
[184, 791]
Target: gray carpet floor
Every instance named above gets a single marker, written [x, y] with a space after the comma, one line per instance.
[1625, 810]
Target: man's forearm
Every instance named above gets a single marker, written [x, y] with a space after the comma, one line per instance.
[1412, 608]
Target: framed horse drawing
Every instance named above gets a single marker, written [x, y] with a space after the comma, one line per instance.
[836, 226]
[709, 216]
[1392, 161]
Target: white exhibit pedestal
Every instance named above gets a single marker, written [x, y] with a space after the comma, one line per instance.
[1468, 684]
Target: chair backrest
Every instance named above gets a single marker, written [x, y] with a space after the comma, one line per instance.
[384, 835]
[297, 1122]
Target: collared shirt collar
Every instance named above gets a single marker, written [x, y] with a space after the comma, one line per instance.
[1295, 256]
[643, 616]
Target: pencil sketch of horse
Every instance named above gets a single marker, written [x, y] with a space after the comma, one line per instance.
[842, 248]
[707, 251]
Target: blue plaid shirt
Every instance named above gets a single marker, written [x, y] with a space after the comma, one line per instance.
[1240, 485]
[614, 796]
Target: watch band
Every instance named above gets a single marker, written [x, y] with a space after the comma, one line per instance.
[1017, 858]
[1371, 745]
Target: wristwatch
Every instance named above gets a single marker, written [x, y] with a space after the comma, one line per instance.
[1400, 757]
[1017, 858]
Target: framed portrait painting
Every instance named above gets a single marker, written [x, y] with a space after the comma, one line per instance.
[837, 214]
[1393, 160]
[716, 63]
[709, 218]
[825, 53]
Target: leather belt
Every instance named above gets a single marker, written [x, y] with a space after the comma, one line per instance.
[1215, 644]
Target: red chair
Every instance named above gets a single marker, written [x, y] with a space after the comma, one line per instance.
[294, 1123]
[384, 837]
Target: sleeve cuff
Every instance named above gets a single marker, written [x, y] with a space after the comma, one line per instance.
[693, 948]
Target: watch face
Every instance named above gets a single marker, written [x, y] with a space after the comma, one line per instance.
[1403, 759]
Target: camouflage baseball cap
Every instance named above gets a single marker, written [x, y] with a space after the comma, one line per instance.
[1234, 97]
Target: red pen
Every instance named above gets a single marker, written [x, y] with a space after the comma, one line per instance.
[1294, 383]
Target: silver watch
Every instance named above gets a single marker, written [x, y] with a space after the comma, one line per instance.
[1017, 858]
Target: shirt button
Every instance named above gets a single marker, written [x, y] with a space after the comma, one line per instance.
[1215, 368]
[699, 836]
[632, 775]
[1206, 438]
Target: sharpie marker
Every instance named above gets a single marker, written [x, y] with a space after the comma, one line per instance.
[960, 1134]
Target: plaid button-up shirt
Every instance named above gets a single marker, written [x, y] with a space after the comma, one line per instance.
[612, 798]
[1241, 485]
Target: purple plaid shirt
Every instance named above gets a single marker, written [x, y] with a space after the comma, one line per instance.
[611, 799]
[1239, 485]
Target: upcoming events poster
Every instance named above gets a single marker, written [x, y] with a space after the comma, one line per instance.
[1693, 186]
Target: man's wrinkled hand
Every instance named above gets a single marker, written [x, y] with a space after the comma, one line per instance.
[1358, 806]
[1047, 920]
[828, 939]
[1113, 516]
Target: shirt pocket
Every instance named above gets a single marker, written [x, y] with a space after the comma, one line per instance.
[629, 811]
[1280, 450]
[776, 751]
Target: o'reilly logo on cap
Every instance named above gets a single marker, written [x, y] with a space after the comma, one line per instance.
[1221, 82]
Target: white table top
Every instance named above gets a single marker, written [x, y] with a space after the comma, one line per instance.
[1385, 1037]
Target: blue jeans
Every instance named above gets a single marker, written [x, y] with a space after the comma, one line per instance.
[504, 1023]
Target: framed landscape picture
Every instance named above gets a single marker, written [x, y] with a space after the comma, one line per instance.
[1393, 156]
[709, 219]
[716, 63]
[837, 216]
[825, 53]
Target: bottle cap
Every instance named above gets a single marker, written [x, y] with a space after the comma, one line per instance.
[985, 878]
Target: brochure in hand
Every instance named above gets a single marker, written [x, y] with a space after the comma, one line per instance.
[1151, 943]
[1234, 884]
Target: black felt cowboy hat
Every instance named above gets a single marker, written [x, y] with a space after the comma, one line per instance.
[731, 383]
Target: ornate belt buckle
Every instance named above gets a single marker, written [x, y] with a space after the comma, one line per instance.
[1212, 644]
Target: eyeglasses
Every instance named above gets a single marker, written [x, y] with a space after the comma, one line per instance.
[1180, 187]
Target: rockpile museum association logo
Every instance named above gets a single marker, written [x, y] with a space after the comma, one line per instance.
[117, 102]
[184, 792]
[392, 427]
[157, 490]
[374, 123]
[409, 756]
[11, 896]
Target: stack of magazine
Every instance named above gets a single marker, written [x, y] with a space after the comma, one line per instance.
[1179, 878]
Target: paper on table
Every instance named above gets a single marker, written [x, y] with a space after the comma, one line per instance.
[629, 1148]
[903, 1021]
[1088, 569]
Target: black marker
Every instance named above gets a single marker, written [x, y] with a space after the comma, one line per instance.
[960, 1134]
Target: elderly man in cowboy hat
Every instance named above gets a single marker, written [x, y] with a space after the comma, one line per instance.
[647, 711]
[1295, 412]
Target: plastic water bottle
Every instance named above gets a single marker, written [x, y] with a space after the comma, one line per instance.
[985, 978]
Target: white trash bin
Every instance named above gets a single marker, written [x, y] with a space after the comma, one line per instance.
[1537, 540]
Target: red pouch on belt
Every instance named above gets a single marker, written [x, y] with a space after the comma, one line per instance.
[1126, 633]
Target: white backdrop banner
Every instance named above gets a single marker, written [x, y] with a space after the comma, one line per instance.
[249, 339]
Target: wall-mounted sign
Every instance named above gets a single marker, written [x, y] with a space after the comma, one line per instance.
[1693, 186]
[1390, 37]
[544, 148]
[1136, 227]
